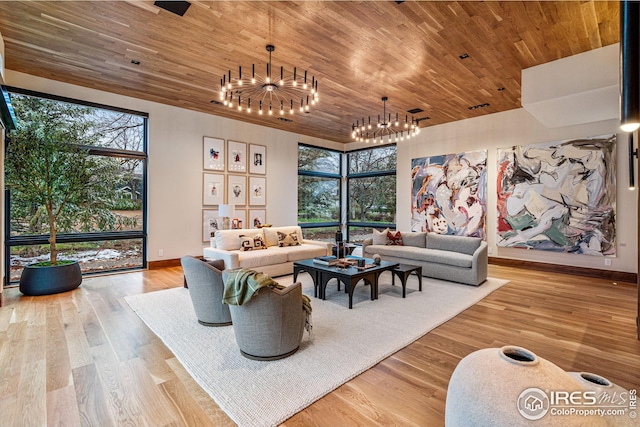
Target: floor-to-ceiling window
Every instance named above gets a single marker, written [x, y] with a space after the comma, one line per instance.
[319, 192]
[371, 191]
[117, 140]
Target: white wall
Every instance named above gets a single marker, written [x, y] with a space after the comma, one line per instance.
[175, 164]
[518, 127]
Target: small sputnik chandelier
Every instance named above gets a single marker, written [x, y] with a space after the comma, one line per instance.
[270, 92]
[386, 128]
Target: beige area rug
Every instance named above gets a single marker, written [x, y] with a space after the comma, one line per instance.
[344, 344]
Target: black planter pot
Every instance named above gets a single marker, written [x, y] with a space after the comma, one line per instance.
[51, 279]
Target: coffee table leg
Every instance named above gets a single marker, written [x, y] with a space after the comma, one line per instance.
[404, 284]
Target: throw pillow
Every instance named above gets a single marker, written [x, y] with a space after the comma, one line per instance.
[395, 239]
[285, 239]
[380, 237]
[248, 243]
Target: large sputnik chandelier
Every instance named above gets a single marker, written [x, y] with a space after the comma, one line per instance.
[386, 128]
[270, 92]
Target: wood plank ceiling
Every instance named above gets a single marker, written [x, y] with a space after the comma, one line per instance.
[359, 51]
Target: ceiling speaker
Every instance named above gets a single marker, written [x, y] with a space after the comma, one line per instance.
[177, 7]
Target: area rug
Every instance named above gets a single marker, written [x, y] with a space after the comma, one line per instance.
[344, 343]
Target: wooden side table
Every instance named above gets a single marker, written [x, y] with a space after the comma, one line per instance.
[403, 271]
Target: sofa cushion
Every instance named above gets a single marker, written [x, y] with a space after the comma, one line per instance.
[380, 237]
[394, 238]
[229, 240]
[415, 239]
[304, 251]
[271, 234]
[253, 259]
[290, 239]
[455, 259]
[252, 243]
[408, 252]
[462, 244]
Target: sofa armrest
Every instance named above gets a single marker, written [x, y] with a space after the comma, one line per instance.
[366, 242]
[327, 245]
[481, 262]
[231, 259]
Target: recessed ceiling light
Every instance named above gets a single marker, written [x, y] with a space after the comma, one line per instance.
[464, 56]
[135, 62]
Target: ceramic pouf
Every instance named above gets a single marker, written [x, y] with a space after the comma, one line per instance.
[507, 387]
[609, 396]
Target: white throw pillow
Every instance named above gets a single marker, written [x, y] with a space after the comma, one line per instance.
[380, 237]
[271, 234]
[229, 240]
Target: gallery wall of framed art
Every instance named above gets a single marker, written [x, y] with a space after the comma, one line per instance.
[234, 173]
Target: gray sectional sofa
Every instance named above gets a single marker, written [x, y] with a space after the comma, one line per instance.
[455, 258]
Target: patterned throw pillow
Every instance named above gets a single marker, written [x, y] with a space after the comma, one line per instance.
[248, 243]
[285, 239]
[395, 239]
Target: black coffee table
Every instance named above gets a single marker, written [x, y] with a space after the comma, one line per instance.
[322, 274]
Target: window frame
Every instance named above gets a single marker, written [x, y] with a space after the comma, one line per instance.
[143, 156]
[373, 174]
[318, 174]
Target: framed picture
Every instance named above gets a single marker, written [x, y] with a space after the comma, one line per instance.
[209, 223]
[257, 190]
[212, 189]
[240, 219]
[257, 159]
[237, 159]
[213, 154]
[257, 217]
[237, 190]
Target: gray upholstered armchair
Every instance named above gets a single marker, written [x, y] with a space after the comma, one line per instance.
[205, 288]
[271, 324]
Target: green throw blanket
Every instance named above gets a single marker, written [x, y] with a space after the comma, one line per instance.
[242, 284]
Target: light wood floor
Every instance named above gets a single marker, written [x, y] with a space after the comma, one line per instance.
[84, 358]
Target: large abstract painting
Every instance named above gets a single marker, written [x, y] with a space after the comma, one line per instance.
[448, 194]
[558, 196]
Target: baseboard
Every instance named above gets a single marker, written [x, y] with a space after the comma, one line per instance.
[165, 263]
[620, 276]
[505, 262]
